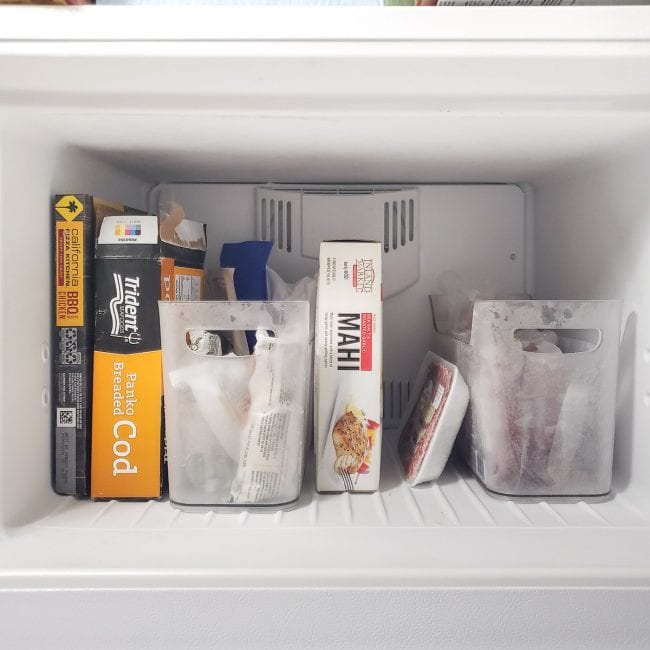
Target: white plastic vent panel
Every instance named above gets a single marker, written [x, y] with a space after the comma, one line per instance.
[276, 214]
[296, 220]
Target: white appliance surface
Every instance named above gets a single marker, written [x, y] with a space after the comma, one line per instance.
[527, 135]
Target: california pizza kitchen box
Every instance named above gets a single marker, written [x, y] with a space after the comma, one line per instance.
[75, 219]
[347, 367]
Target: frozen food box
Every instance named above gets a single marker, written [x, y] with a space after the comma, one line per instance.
[139, 260]
[75, 220]
[347, 367]
[434, 416]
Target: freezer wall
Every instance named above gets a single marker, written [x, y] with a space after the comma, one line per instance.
[35, 166]
[587, 238]
[592, 240]
[240, 112]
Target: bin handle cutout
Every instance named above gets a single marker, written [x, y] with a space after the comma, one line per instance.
[565, 340]
[214, 342]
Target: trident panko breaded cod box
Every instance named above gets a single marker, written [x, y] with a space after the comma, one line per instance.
[138, 262]
[347, 367]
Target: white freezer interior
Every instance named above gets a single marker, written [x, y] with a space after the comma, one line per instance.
[532, 167]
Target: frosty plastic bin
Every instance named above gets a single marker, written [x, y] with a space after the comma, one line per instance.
[539, 424]
[235, 423]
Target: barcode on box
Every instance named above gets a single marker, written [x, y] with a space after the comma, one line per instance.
[66, 417]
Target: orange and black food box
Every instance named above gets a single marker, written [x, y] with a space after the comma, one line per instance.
[139, 260]
[76, 218]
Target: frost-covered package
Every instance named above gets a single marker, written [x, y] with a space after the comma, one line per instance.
[542, 377]
[434, 415]
[235, 424]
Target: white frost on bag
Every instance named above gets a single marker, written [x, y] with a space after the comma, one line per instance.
[542, 383]
[455, 304]
[206, 465]
[271, 444]
[520, 394]
[220, 391]
[570, 436]
[304, 289]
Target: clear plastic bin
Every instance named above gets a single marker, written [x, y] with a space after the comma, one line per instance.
[539, 424]
[235, 425]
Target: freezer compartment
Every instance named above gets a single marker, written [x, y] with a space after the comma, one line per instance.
[504, 230]
[531, 163]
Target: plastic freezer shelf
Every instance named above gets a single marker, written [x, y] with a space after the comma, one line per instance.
[450, 532]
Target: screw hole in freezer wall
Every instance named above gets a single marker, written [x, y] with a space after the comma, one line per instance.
[45, 398]
[45, 353]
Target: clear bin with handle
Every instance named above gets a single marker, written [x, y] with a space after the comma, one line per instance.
[235, 423]
[539, 423]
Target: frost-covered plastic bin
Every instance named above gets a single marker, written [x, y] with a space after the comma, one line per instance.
[540, 423]
[235, 424]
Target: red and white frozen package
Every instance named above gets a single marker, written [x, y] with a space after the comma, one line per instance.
[435, 414]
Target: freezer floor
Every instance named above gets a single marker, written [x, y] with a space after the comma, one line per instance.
[455, 500]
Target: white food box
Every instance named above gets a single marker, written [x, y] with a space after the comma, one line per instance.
[434, 416]
[347, 367]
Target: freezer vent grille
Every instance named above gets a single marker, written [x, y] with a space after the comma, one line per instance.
[296, 221]
[399, 224]
[396, 394]
[276, 222]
